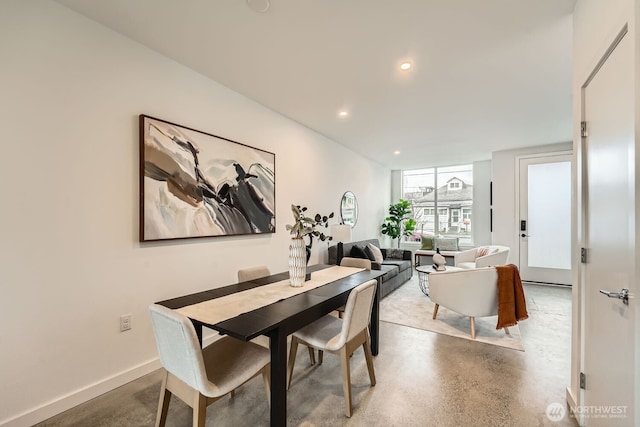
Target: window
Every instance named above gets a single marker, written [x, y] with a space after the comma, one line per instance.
[442, 201]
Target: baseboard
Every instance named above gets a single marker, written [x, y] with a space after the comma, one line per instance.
[82, 395]
[66, 402]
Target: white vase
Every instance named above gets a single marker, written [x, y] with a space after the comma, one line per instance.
[297, 261]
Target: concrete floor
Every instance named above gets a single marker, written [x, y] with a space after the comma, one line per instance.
[423, 379]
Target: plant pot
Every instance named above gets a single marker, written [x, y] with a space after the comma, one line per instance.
[297, 262]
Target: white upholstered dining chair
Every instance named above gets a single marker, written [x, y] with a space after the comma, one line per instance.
[342, 336]
[200, 376]
[248, 274]
[353, 262]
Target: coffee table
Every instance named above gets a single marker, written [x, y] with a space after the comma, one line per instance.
[423, 276]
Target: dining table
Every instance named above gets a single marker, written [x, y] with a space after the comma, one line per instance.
[277, 320]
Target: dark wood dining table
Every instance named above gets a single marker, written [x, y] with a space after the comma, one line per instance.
[282, 318]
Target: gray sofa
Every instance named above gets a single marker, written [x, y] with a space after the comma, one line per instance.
[398, 269]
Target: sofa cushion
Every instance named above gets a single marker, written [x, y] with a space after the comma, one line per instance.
[395, 253]
[390, 270]
[427, 242]
[401, 264]
[369, 253]
[446, 243]
[358, 252]
[377, 253]
[482, 251]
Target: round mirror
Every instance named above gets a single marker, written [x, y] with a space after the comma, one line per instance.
[349, 209]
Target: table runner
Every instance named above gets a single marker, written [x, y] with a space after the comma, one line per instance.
[220, 309]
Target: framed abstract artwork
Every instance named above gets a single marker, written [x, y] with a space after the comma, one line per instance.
[194, 184]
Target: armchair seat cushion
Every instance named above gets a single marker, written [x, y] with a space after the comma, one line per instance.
[466, 265]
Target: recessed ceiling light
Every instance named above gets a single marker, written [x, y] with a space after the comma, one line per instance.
[260, 6]
[396, 152]
[405, 66]
[343, 113]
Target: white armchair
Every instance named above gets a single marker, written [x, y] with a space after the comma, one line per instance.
[483, 256]
[470, 292]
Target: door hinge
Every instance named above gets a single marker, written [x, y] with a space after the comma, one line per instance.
[583, 255]
[583, 381]
[583, 129]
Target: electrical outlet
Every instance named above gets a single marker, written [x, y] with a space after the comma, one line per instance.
[125, 322]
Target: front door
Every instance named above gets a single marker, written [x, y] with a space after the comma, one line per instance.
[545, 218]
[609, 198]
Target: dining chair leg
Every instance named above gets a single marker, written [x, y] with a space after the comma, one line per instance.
[163, 403]
[266, 376]
[506, 331]
[292, 358]
[435, 311]
[320, 357]
[369, 358]
[232, 394]
[199, 411]
[473, 327]
[312, 356]
[346, 380]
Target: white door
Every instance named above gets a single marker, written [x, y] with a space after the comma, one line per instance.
[545, 218]
[610, 237]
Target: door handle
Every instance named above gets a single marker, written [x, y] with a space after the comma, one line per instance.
[524, 235]
[623, 295]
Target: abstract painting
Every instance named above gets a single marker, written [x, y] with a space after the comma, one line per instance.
[194, 184]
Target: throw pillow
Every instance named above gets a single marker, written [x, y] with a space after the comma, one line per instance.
[427, 243]
[357, 252]
[369, 253]
[482, 251]
[447, 244]
[377, 253]
[395, 253]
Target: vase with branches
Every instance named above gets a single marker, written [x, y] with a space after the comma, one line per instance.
[399, 222]
[299, 251]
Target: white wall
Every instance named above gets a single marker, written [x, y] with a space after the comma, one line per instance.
[503, 176]
[481, 203]
[71, 264]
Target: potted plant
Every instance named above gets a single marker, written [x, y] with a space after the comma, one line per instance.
[399, 222]
[299, 252]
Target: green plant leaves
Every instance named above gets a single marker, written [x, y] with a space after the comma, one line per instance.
[306, 226]
[399, 223]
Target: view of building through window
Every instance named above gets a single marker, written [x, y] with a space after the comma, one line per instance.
[441, 200]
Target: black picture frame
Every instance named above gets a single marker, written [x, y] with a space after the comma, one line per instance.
[194, 184]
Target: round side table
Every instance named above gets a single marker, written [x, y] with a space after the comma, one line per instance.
[423, 276]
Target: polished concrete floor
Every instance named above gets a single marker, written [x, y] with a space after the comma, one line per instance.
[423, 379]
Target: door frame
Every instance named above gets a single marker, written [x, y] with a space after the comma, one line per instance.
[574, 393]
[515, 257]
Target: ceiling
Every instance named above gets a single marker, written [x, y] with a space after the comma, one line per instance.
[487, 75]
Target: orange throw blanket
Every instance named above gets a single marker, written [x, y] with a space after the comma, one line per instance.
[512, 305]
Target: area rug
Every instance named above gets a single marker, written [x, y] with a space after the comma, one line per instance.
[408, 306]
